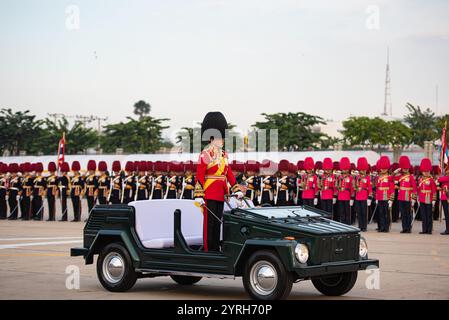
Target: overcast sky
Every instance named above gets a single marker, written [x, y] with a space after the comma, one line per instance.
[243, 57]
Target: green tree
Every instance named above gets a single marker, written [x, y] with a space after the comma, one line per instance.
[142, 109]
[17, 130]
[295, 130]
[422, 124]
[78, 138]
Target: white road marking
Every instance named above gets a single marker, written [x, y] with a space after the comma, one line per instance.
[33, 239]
[18, 245]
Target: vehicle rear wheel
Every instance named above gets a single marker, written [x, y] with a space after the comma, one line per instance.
[114, 268]
[335, 285]
[265, 277]
[185, 280]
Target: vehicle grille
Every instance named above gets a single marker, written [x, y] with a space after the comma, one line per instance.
[337, 248]
[95, 223]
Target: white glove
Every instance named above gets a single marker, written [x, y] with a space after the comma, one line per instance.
[377, 201]
[18, 198]
[334, 200]
[315, 201]
[239, 195]
[413, 203]
[351, 202]
[200, 201]
[390, 203]
[433, 204]
[368, 202]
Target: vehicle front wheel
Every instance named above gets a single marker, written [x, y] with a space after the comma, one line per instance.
[335, 285]
[185, 280]
[114, 268]
[265, 277]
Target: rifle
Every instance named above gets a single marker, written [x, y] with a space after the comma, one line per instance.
[374, 211]
[277, 191]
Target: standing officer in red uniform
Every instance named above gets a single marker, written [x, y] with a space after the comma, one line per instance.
[326, 185]
[405, 183]
[384, 195]
[213, 176]
[363, 193]
[427, 193]
[309, 183]
[345, 191]
[444, 185]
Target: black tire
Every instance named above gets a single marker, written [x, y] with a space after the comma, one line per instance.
[127, 276]
[185, 280]
[281, 287]
[335, 285]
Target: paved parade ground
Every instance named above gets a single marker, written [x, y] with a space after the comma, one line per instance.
[34, 257]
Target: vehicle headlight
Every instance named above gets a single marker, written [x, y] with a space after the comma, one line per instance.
[363, 249]
[302, 253]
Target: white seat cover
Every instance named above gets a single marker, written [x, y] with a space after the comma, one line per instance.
[155, 218]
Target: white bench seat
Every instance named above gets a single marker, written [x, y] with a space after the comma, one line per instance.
[155, 218]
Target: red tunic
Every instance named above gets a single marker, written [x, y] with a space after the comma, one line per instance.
[310, 186]
[427, 190]
[406, 185]
[363, 188]
[213, 173]
[444, 185]
[384, 188]
[345, 188]
[327, 187]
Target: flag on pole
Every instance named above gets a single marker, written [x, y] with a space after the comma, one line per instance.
[61, 151]
[444, 150]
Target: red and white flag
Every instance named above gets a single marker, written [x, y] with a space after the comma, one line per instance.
[61, 151]
[443, 151]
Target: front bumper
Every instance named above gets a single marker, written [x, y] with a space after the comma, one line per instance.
[335, 267]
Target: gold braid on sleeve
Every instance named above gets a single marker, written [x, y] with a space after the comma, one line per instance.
[198, 192]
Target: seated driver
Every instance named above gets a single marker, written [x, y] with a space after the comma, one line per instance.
[213, 176]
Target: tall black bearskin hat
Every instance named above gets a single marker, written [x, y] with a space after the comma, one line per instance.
[213, 123]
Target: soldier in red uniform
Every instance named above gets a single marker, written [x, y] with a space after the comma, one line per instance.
[326, 184]
[427, 190]
[444, 185]
[345, 193]
[309, 184]
[363, 192]
[213, 176]
[405, 184]
[384, 195]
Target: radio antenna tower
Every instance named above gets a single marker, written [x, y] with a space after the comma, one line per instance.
[387, 98]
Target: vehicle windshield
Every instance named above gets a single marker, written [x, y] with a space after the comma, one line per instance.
[283, 212]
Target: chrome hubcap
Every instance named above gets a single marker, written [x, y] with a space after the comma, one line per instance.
[113, 267]
[264, 277]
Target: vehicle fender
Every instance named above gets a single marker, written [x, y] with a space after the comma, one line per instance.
[105, 237]
[283, 248]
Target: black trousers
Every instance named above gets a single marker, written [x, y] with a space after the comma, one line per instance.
[426, 215]
[13, 207]
[395, 209]
[64, 208]
[25, 208]
[446, 213]
[282, 198]
[213, 212]
[361, 208]
[37, 207]
[90, 203]
[307, 202]
[142, 194]
[51, 207]
[188, 194]
[102, 200]
[115, 197]
[157, 194]
[265, 198]
[344, 211]
[328, 206]
[3, 206]
[406, 214]
[76, 202]
[382, 216]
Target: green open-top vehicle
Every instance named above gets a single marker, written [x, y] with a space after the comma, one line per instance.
[269, 247]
